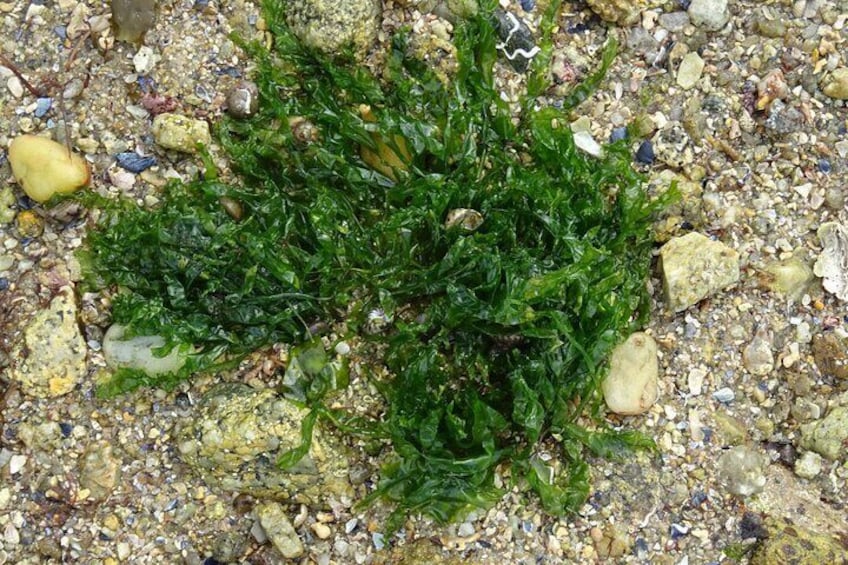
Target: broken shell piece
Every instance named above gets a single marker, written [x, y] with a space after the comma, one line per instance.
[466, 218]
[303, 130]
[832, 264]
[44, 168]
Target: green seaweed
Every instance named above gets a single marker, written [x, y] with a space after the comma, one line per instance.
[496, 338]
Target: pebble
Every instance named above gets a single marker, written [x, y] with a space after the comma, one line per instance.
[674, 21]
[180, 133]
[585, 142]
[278, 528]
[790, 277]
[757, 356]
[44, 167]
[645, 153]
[712, 15]
[725, 395]
[138, 352]
[100, 470]
[322, 531]
[330, 27]
[145, 59]
[133, 162]
[835, 85]
[517, 43]
[630, 387]
[42, 106]
[16, 464]
[833, 259]
[829, 436]
[741, 469]
[132, 18]
[690, 70]
[788, 542]
[809, 465]
[830, 352]
[15, 87]
[694, 267]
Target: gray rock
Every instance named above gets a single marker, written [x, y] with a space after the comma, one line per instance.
[272, 517]
[783, 118]
[741, 470]
[236, 435]
[832, 263]
[674, 21]
[690, 70]
[99, 470]
[694, 267]
[180, 133]
[631, 385]
[332, 25]
[757, 356]
[51, 360]
[808, 465]
[835, 85]
[709, 14]
[673, 147]
[829, 436]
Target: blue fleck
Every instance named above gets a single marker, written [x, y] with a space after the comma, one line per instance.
[65, 428]
[824, 166]
[146, 84]
[527, 526]
[133, 162]
[379, 540]
[677, 531]
[61, 31]
[42, 106]
[229, 71]
[201, 4]
[708, 434]
[645, 153]
[640, 548]
[618, 134]
[528, 5]
[699, 497]
[724, 395]
[578, 28]
[4, 283]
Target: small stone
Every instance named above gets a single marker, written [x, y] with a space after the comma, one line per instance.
[16, 464]
[29, 224]
[15, 87]
[690, 70]
[832, 263]
[465, 219]
[758, 357]
[322, 531]
[835, 85]
[741, 470]
[709, 14]
[829, 436]
[145, 59]
[180, 133]
[54, 362]
[790, 277]
[830, 352]
[42, 106]
[731, 430]
[517, 43]
[724, 395]
[99, 470]
[771, 27]
[674, 21]
[243, 100]
[645, 154]
[139, 352]
[44, 167]
[631, 384]
[132, 18]
[585, 142]
[808, 465]
[133, 162]
[621, 12]
[278, 528]
[694, 267]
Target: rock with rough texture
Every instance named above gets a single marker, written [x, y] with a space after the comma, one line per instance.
[332, 25]
[830, 352]
[274, 521]
[631, 385]
[829, 436]
[790, 277]
[832, 263]
[709, 14]
[100, 470]
[788, 542]
[621, 12]
[51, 360]
[690, 70]
[132, 18]
[835, 85]
[741, 470]
[139, 352]
[236, 436]
[808, 465]
[694, 267]
[180, 133]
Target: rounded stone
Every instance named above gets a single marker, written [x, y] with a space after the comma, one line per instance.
[243, 100]
[631, 385]
[332, 25]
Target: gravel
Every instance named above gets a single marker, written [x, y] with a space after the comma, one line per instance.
[751, 410]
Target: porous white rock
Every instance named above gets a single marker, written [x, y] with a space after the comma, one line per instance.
[631, 385]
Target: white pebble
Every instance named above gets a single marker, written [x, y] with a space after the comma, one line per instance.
[15, 87]
[16, 463]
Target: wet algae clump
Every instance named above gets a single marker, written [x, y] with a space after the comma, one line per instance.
[355, 202]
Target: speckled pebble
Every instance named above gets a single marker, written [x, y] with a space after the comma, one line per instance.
[180, 133]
